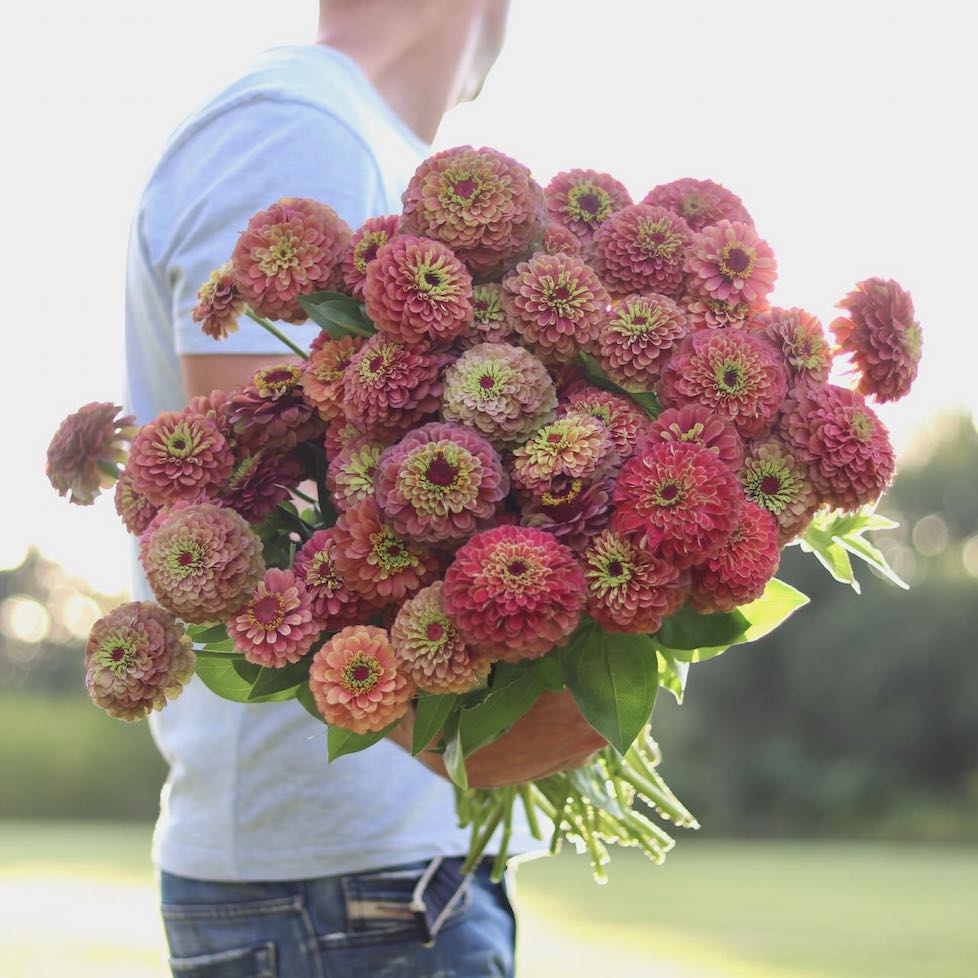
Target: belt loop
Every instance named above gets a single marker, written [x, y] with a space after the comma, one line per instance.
[418, 906]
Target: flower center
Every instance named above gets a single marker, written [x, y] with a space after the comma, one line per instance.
[273, 382]
[730, 377]
[322, 572]
[376, 365]
[668, 493]
[361, 673]
[268, 611]
[615, 568]
[185, 559]
[434, 631]
[588, 203]
[638, 320]
[861, 426]
[441, 472]
[116, 653]
[281, 253]
[657, 239]
[390, 552]
[693, 206]
[487, 382]
[367, 249]
[516, 568]
[770, 484]
[736, 261]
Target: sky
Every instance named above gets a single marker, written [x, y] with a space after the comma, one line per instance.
[844, 126]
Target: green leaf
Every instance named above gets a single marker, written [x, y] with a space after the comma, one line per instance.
[513, 692]
[222, 675]
[215, 648]
[207, 634]
[453, 755]
[867, 552]
[646, 400]
[338, 314]
[277, 682]
[308, 702]
[547, 672]
[688, 629]
[672, 672]
[614, 680]
[430, 715]
[340, 741]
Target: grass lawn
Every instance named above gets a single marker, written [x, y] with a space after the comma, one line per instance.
[78, 900]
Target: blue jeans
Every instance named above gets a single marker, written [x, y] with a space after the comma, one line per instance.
[414, 921]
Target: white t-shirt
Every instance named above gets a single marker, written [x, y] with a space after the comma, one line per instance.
[250, 795]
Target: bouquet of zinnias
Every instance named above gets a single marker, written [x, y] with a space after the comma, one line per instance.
[547, 439]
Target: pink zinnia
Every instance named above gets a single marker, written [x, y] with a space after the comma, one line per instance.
[219, 304]
[881, 336]
[137, 657]
[417, 291]
[430, 650]
[623, 418]
[714, 314]
[291, 249]
[490, 323]
[514, 592]
[573, 510]
[630, 589]
[86, 451]
[699, 203]
[679, 498]
[642, 249]
[844, 444]
[799, 337]
[355, 682]
[439, 482]
[699, 426]
[277, 625]
[739, 573]
[340, 434]
[136, 510]
[334, 605]
[350, 476]
[259, 483]
[637, 337]
[558, 240]
[576, 446]
[731, 262]
[557, 304]
[582, 200]
[367, 240]
[738, 376]
[774, 479]
[322, 374]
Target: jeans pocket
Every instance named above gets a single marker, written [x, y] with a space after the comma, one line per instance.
[242, 962]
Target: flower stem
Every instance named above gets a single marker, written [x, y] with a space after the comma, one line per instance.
[276, 332]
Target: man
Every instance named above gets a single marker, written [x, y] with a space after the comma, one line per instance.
[271, 863]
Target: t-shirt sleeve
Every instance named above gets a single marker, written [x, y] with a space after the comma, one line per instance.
[232, 166]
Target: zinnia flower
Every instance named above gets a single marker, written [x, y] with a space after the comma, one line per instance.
[259, 483]
[629, 589]
[350, 476]
[179, 456]
[417, 291]
[334, 605]
[340, 434]
[367, 240]
[739, 573]
[490, 324]
[377, 563]
[485, 206]
[557, 304]
[322, 375]
[291, 249]
[439, 482]
[729, 261]
[137, 511]
[642, 249]
[623, 418]
[716, 314]
[502, 391]
[388, 387]
[882, 337]
[844, 444]
[637, 337]
[429, 649]
[277, 625]
[355, 682]
[774, 479]
[735, 374]
[514, 592]
[201, 561]
[559, 240]
[138, 656]
[576, 446]
[573, 510]
[679, 498]
[582, 200]
[698, 426]
[800, 338]
[86, 451]
[699, 203]
[219, 304]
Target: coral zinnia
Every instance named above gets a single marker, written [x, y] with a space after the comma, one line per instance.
[637, 337]
[333, 603]
[502, 391]
[429, 648]
[742, 568]
[417, 291]
[291, 249]
[485, 206]
[490, 324]
[376, 562]
[774, 479]
[881, 336]
[630, 589]
[389, 387]
[439, 482]
[556, 303]
[367, 240]
[715, 314]
[735, 374]
[577, 446]
[259, 483]
[136, 510]
[642, 249]
[85, 453]
[559, 240]
[355, 681]
[201, 561]
[138, 656]
[219, 304]
[623, 418]
[680, 498]
[179, 456]
[844, 444]
[801, 340]
[729, 261]
[277, 625]
[322, 374]
[582, 200]
[514, 592]
[573, 510]
[350, 476]
[699, 203]
[699, 426]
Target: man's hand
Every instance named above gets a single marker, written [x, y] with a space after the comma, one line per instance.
[551, 737]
